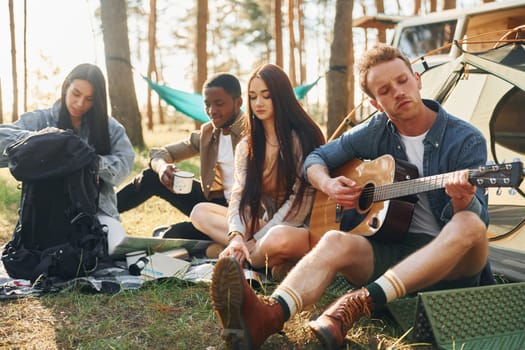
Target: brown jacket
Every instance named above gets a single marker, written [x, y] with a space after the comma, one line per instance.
[203, 143]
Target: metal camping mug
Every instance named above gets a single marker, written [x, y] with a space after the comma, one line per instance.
[132, 257]
[136, 268]
[136, 261]
[182, 182]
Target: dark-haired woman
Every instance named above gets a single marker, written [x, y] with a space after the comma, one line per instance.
[83, 108]
[270, 201]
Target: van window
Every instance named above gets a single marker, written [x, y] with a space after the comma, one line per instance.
[416, 41]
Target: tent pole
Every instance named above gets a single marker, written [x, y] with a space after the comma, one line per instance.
[347, 121]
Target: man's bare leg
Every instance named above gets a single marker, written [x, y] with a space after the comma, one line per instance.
[460, 250]
[248, 319]
[353, 256]
[336, 251]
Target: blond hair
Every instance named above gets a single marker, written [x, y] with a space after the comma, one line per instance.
[378, 54]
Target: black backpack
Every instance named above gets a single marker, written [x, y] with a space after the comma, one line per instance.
[57, 234]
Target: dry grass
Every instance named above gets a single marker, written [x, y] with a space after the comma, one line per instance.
[168, 315]
[153, 213]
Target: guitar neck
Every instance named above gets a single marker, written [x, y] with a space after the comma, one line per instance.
[496, 175]
[409, 187]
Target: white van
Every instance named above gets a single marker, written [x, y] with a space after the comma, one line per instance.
[417, 36]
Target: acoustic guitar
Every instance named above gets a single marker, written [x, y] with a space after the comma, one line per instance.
[385, 207]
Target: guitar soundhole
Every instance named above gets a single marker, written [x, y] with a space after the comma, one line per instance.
[367, 197]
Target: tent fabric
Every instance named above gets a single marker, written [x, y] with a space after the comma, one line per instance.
[508, 65]
[190, 104]
[478, 87]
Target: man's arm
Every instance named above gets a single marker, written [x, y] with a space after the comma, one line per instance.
[157, 164]
[341, 189]
[317, 175]
[460, 190]
[463, 195]
[164, 170]
[163, 159]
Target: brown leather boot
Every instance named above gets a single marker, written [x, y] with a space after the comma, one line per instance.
[246, 318]
[333, 324]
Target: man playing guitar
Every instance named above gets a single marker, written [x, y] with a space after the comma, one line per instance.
[446, 244]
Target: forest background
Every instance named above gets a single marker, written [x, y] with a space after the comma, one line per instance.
[180, 42]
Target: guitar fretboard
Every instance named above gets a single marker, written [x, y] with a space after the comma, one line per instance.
[407, 188]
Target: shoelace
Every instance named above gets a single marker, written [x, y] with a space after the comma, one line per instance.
[267, 300]
[351, 309]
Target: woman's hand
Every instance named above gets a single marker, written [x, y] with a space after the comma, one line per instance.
[49, 129]
[237, 248]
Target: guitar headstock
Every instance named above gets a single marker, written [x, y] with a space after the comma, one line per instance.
[498, 175]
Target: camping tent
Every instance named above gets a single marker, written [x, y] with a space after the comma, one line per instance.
[488, 90]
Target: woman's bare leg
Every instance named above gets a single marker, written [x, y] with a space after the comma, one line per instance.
[281, 244]
[210, 218]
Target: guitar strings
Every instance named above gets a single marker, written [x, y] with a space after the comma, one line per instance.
[404, 188]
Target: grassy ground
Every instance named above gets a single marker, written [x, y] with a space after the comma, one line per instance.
[168, 315]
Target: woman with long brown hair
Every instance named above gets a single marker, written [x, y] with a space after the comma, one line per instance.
[83, 109]
[265, 223]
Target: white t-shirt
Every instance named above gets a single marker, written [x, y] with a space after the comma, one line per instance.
[423, 221]
[225, 164]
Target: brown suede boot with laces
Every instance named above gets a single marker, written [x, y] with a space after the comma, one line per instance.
[333, 324]
[246, 318]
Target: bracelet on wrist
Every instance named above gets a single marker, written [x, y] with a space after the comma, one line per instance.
[233, 234]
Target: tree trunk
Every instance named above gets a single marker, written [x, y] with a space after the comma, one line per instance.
[201, 48]
[364, 9]
[14, 115]
[341, 63]
[449, 4]
[158, 76]
[381, 33]
[122, 95]
[152, 21]
[433, 5]
[25, 56]
[1, 105]
[302, 55]
[417, 7]
[278, 28]
[291, 33]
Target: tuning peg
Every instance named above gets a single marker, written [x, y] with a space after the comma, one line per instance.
[488, 165]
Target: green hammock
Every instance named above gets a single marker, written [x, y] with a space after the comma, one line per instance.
[191, 103]
[302, 90]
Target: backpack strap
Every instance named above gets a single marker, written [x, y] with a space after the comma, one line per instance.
[83, 188]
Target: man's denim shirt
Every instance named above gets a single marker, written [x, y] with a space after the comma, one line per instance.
[451, 144]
